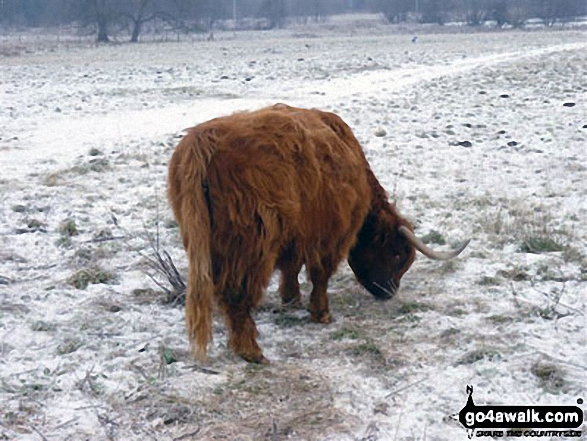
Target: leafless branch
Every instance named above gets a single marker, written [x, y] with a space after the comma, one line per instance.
[407, 386]
[274, 432]
[187, 435]
[43, 437]
[162, 263]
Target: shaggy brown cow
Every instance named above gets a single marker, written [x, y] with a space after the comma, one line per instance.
[279, 188]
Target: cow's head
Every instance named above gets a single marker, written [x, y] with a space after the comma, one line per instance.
[385, 250]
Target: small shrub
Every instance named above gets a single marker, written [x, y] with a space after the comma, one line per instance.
[68, 228]
[540, 244]
[517, 274]
[366, 349]
[345, 333]
[93, 275]
[550, 377]
[500, 319]
[434, 237]
[488, 281]
[477, 355]
[572, 254]
[455, 311]
[412, 307]
[68, 346]
[42, 326]
[35, 224]
[168, 356]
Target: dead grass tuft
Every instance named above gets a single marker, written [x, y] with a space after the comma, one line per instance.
[550, 376]
[532, 228]
[434, 237]
[477, 355]
[93, 275]
[173, 284]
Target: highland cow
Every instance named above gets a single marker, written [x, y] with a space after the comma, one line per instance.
[279, 188]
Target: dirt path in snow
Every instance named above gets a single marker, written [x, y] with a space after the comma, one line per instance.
[59, 138]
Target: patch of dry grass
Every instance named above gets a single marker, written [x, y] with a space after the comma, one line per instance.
[531, 228]
[550, 376]
[92, 275]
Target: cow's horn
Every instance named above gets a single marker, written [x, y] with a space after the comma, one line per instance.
[427, 251]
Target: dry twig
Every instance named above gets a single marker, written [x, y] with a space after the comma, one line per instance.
[162, 263]
[43, 437]
[407, 386]
[187, 435]
[275, 432]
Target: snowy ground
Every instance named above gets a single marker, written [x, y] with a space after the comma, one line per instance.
[471, 136]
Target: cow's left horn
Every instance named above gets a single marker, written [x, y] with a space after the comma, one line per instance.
[428, 252]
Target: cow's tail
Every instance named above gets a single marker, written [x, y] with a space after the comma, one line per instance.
[187, 193]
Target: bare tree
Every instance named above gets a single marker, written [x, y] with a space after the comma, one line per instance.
[138, 12]
[558, 10]
[517, 12]
[184, 16]
[193, 15]
[98, 13]
[546, 12]
[275, 12]
[499, 13]
[395, 10]
[435, 11]
[103, 13]
[476, 12]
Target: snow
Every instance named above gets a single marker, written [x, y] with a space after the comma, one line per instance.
[89, 363]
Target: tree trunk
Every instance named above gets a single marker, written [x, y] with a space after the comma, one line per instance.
[103, 30]
[136, 31]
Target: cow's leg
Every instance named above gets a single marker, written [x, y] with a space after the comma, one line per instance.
[289, 287]
[237, 298]
[243, 333]
[319, 276]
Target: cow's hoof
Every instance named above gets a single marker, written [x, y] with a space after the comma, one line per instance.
[321, 317]
[257, 359]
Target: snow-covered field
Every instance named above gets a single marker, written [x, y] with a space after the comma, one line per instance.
[473, 136]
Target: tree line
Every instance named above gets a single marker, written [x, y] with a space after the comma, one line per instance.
[132, 16]
[515, 13]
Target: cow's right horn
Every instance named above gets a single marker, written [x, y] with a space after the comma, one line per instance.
[427, 251]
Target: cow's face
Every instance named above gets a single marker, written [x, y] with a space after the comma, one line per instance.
[379, 262]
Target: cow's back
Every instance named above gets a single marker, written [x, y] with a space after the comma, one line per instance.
[282, 179]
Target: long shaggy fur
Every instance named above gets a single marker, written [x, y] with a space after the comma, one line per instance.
[275, 188]
[187, 175]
